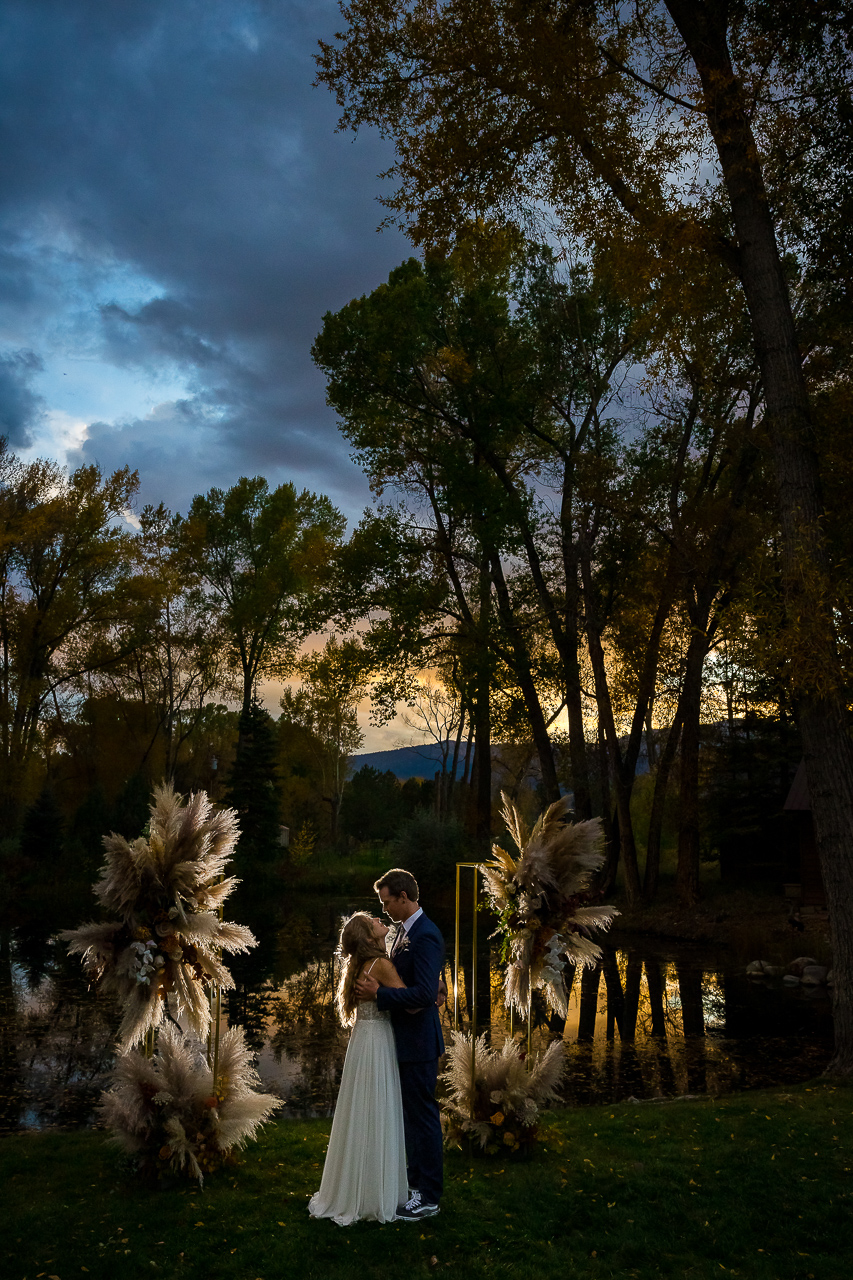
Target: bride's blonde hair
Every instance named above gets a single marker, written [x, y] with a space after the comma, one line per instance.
[357, 944]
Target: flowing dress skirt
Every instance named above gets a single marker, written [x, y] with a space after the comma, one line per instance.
[365, 1171]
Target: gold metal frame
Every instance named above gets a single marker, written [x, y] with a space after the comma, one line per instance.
[477, 867]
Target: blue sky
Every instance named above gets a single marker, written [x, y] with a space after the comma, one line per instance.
[177, 214]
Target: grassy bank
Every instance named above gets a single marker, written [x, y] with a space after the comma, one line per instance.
[758, 1185]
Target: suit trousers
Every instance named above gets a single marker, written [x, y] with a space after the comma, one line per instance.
[422, 1125]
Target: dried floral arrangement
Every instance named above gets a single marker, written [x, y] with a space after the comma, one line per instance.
[168, 1112]
[503, 1115]
[543, 902]
[167, 888]
[162, 958]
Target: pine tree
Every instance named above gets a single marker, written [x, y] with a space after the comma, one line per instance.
[42, 830]
[253, 789]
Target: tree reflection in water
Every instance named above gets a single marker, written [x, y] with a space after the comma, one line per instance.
[651, 1026]
[644, 1023]
[56, 1042]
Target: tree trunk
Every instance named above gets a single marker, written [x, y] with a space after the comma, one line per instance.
[606, 877]
[690, 708]
[588, 1009]
[816, 673]
[482, 772]
[622, 780]
[653, 842]
[521, 667]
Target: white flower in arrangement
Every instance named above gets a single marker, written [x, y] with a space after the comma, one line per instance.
[166, 889]
[167, 1106]
[546, 903]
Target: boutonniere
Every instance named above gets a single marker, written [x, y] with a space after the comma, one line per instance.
[397, 941]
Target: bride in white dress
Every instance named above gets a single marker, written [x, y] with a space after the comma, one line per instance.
[365, 1171]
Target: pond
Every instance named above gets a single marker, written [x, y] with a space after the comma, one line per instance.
[654, 1019]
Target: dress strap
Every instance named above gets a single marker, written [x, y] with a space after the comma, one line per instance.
[374, 962]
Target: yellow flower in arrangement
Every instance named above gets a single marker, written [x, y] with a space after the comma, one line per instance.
[497, 1118]
[510, 1140]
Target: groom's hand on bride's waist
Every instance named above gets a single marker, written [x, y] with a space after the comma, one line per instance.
[366, 988]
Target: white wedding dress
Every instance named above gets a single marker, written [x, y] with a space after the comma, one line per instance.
[365, 1171]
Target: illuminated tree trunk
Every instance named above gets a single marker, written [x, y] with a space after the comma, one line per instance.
[653, 841]
[690, 707]
[522, 667]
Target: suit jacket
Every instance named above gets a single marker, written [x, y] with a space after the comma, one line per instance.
[418, 1035]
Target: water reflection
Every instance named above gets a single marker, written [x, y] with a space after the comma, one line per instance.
[647, 1022]
[56, 1043]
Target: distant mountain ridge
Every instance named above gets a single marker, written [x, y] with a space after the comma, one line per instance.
[406, 762]
[424, 761]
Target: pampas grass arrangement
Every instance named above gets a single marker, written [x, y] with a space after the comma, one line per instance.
[542, 900]
[502, 1113]
[168, 1112]
[167, 888]
[162, 957]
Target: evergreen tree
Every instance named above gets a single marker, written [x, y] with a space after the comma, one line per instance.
[372, 807]
[42, 830]
[131, 812]
[254, 787]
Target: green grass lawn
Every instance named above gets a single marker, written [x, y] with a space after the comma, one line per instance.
[757, 1185]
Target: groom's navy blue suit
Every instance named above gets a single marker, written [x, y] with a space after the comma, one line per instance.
[420, 1044]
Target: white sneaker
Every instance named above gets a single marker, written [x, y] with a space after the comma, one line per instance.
[415, 1209]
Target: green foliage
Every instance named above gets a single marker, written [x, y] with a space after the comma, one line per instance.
[253, 789]
[430, 848]
[373, 805]
[303, 845]
[747, 771]
[325, 710]
[262, 556]
[70, 602]
[43, 832]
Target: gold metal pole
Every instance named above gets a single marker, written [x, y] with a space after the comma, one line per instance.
[218, 1007]
[529, 1027]
[474, 995]
[456, 956]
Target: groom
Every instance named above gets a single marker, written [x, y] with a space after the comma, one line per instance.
[418, 953]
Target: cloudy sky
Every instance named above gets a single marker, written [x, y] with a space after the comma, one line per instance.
[177, 215]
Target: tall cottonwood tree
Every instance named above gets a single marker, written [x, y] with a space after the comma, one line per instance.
[263, 557]
[164, 685]
[70, 601]
[420, 372]
[335, 680]
[613, 115]
[490, 377]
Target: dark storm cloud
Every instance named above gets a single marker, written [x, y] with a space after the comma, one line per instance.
[182, 143]
[20, 407]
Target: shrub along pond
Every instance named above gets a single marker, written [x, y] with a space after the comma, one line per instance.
[655, 1019]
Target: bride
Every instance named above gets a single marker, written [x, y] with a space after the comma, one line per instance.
[365, 1171]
